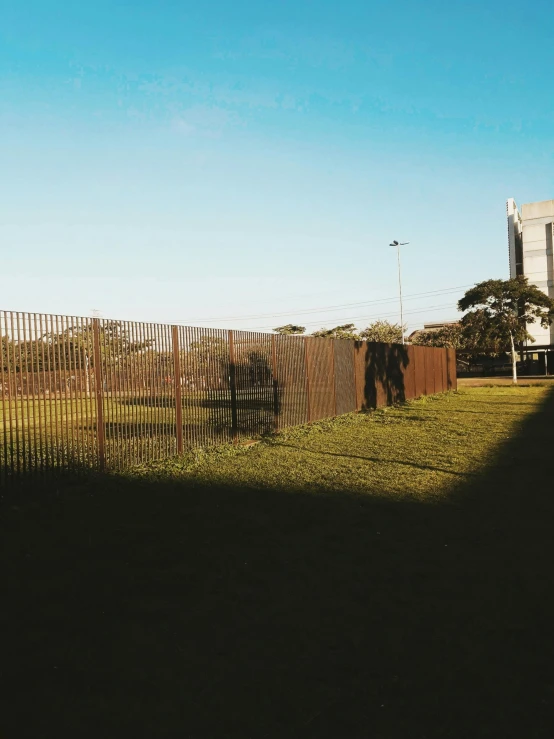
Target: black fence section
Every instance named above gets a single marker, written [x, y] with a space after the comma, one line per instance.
[81, 393]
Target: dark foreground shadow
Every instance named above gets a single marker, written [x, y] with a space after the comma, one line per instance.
[160, 611]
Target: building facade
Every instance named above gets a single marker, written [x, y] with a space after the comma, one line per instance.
[530, 242]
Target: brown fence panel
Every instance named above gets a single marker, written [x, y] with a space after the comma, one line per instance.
[409, 373]
[320, 364]
[291, 380]
[369, 389]
[378, 360]
[360, 375]
[345, 385]
[444, 371]
[47, 410]
[386, 365]
[254, 383]
[138, 392]
[80, 393]
[439, 353]
[396, 375]
[453, 370]
[420, 371]
[452, 383]
[429, 362]
[205, 387]
[384, 374]
[435, 353]
[439, 370]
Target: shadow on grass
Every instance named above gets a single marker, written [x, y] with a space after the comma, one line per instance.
[377, 460]
[164, 610]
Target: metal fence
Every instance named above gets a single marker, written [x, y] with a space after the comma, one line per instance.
[81, 393]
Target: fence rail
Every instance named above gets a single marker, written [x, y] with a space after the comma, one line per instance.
[80, 393]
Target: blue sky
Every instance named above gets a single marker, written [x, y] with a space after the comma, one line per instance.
[220, 163]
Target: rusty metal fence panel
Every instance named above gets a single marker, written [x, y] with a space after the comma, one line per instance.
[437, 372]
[81, 393]
[47, 408]
[382, 374]
[429, 364]
[290, 381]
[253, 359]
[321, 385]
[360, 367]
[135, 392]
[419, 370]
[452, 382]
[378, 365]
[409, 374]
[345, 384]
[205, 387]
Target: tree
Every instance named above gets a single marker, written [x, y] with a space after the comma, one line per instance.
[383, 332]
[346, 331]
[69, 349]
[290, 329]
[206, 363]
[451, 337]
[116, 344]
[498, 312]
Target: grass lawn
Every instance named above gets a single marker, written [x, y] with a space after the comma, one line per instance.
[379, 575]
[61, 431]
[79, 411]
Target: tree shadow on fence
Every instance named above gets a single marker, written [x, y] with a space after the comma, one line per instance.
[384, 383]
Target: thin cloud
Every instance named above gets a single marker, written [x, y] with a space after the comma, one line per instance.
[201, 120]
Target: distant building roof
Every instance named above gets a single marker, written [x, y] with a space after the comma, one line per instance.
[434, 326]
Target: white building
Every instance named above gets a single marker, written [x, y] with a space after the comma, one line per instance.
[530, 239]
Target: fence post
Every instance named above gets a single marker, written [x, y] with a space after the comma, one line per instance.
[355, 365]
[177, 385]
[334, 374]
[99, 394]
[308, 402]
[233, 387]
[275, 383]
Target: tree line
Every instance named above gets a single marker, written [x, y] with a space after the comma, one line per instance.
[204, 363]
[496, 317]
[497, 314]
[69, 349]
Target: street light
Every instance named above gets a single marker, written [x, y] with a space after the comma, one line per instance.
[398, 244]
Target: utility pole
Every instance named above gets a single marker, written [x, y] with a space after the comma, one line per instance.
[398, 244]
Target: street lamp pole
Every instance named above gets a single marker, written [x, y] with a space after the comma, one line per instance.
[398, 244]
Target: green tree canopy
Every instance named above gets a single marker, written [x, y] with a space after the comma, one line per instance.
[346, 331]
[498, 313]
[70, 348]
[290, 329]
[451, 337]
[206, 362]
[383, 332]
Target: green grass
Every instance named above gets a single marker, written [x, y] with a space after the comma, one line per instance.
[61, 432]
[81, 411]
[379, 575]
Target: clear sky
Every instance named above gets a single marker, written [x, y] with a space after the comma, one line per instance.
[177, 161]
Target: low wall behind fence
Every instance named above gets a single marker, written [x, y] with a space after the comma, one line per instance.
[79, 393]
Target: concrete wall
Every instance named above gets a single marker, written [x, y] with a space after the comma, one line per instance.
[514, 236]
[537, 220]
[535, 224]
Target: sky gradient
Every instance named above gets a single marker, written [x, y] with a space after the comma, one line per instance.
[222, 163]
